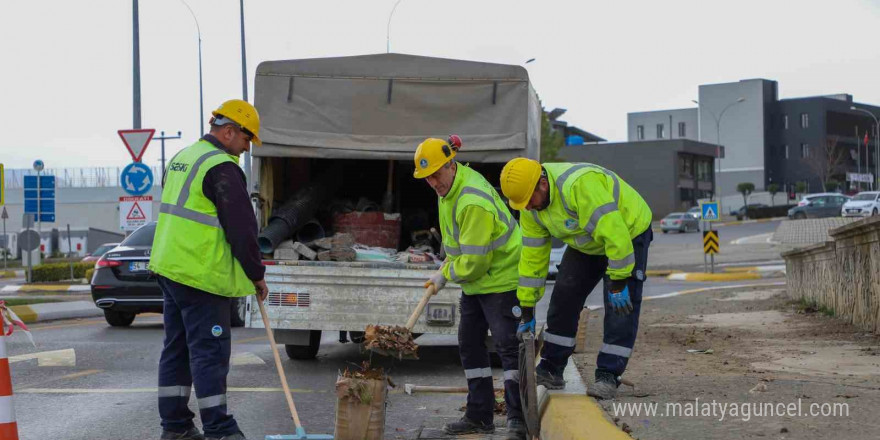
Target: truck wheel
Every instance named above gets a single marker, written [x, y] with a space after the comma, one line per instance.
[238, 312]
[118, 319]
[305, 352]
[356, 337]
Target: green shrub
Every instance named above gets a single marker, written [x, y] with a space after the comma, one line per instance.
[89, 273]
[60, 271]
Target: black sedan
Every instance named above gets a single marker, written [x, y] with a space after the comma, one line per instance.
[123, 286]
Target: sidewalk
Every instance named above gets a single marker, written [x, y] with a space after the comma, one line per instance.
[764, 350]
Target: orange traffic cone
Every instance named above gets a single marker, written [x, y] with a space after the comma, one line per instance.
[8, 427]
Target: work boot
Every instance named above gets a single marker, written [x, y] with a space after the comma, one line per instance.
[548, 379]
[468, 426]
[236, 436]
[605, 386]
[516, 429]
[190, 434]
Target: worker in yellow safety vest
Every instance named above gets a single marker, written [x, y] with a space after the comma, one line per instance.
[205, 254]
[482, 242]
[607, 227]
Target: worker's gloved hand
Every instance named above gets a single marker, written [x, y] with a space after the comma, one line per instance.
[438, 280]
[262, 290]
[618, 296]
[527, 321]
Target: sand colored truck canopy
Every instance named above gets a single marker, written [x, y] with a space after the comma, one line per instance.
[382, 106]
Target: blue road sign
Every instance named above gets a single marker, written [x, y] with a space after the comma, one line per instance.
[137, 179]
[46, 197]
[709, 211]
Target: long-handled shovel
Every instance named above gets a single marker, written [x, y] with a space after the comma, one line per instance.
[300, 431]
[373, 332]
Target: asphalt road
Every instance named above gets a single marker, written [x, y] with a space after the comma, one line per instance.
[725, 233]
[92, 381]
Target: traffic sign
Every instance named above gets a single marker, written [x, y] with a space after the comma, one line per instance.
[39, 165]
[39, 197]
[29, 240]
[4, 215]
[136, 141]
[709, 211]
[710, 242]
[135, 212]
[137, 179]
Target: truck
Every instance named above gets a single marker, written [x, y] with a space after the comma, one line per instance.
[357, 121]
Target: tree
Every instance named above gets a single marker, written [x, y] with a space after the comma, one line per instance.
[745, 189]
[827, 161]
[773, 189]
[831, 185]
[551, 141]
[800, 187]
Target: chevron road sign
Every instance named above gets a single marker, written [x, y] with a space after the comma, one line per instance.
[710, 242]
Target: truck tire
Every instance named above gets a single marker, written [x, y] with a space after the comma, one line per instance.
[118, 319]
[238, 312]
[305, 352]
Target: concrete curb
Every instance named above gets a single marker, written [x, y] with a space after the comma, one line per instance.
[72, 288]
[60, 310]
[732, 274]
[570, 414]
[661, 272]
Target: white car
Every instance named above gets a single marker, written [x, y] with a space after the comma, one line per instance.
[864, 204]
[556, 253]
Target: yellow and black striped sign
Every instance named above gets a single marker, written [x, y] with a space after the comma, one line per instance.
[710, 242]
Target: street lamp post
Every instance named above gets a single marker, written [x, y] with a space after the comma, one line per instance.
[876, 142]
[201, 95]
[718, 145]
[388, 28]
[244, 95]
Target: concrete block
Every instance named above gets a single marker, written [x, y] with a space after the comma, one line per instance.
[305, 251]
[286, 254]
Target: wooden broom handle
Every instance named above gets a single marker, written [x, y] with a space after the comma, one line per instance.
[429, 292]
[290, 404]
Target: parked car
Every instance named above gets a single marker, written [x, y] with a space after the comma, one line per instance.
[123, 286]
[741, 212]
[808, 197]
[679, 221]
[864, 204]
[819, 206]
[695, 212]
[99, 252]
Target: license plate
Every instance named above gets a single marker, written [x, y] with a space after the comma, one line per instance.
[851, 211]
[137, 266]
[440, 314]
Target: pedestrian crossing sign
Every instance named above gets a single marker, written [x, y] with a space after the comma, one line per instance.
[709, 211]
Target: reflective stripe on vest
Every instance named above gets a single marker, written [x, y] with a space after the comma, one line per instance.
[478, 250]
[582, 240]
[178, 209]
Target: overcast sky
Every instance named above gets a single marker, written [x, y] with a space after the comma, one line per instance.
[66, 65]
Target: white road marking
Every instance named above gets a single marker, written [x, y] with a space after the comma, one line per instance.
[752, 239]
[246, 358]
[55, 358]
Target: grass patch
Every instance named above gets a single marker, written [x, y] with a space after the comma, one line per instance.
[28, 301]
[804, 307]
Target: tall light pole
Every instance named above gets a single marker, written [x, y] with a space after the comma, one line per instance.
[876, 142]
[201, 95]
[388, 28]
[718, 145]
[244, 96]
[136, 67]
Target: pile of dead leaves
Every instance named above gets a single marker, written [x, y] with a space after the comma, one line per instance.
[363, 384]
[390, 339]
[365, 372]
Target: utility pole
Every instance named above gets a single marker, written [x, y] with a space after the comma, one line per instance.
[162, 138]
[136, 67]
[244, 96]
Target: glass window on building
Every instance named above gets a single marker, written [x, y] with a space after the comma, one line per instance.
[686, 166]
[640, 132]
[805, 120]
[805, 151]
[785, 121]
[660, 133]
[681, 130]
[704, 170]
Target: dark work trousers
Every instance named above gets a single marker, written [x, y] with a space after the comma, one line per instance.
[480, 313]
[197, 349]
[578, 275]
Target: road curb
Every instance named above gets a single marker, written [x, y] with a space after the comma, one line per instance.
[661, 272]
[60, 310]
[23, 288]
[570, 414]
[700, 276]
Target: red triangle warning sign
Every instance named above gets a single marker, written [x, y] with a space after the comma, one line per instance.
[136, 213]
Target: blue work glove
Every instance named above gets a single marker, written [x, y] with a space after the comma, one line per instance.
[618, 296]
[527, 322]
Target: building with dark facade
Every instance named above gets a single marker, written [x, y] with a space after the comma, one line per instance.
[671, 175]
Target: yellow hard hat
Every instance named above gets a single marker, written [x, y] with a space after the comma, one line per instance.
[432, 154]
[518, 180]
[243, 114]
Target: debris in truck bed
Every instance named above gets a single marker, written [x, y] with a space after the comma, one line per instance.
[420, 254]
[365, 372]
[305, 251]
[390, 338]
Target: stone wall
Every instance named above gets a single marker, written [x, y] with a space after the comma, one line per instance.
[842, 274]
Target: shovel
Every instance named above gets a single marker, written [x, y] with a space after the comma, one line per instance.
[405, 354]
[300, 431]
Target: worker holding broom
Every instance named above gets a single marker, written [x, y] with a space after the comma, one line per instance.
[205, 253]
[483, 242]
[607, 226]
